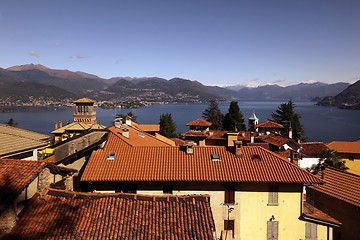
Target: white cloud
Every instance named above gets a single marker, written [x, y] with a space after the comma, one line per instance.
[33, 53]
[82, 56]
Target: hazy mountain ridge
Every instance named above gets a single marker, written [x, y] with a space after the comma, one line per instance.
[349, 98]
[307, 91]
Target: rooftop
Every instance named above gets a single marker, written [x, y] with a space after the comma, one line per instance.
[276, 139]
[269, 124]
[84, 100]
[75, 126]
[166, 163]
[15, 175]
[199, 122]
[341, 185]
[312, 213]
[312, 148]
[58, 214]
[135, 137]
[345, 147]
[14, 140]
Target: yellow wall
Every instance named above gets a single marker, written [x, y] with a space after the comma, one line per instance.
[251, 211]
[354, 166]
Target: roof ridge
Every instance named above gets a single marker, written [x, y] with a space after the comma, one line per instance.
[290, 164]
[342, 171]
[134, 196]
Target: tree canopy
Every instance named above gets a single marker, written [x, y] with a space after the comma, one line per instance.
[129, 114]
[234, 120]
[213, 114]
[12, 122]
[328, 158]
[286, 116]
[167, 125]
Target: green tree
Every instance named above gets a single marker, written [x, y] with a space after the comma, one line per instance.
[328, 158]
[286, 116]
[213, 114]
[167, 125]
[129, 114]
[234, 120]
[12, 122]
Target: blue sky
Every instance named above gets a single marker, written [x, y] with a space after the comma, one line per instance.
[213, 42]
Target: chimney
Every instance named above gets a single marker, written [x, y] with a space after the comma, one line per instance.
[252, 137]
[126, 133]
[231, 137]
[128, 121]
[290, 133]
[56, 125]
[117, 122]
[189, 148]
[60, 124]
[238, 148]
[294, 158]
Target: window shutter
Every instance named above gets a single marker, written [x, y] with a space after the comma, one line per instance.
[273, 195]
[311, 231]
[229, 194]
[272, 230]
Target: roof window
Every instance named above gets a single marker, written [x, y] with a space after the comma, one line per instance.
[111, 156]
[215, 157]
[141, 135]
[255, 157]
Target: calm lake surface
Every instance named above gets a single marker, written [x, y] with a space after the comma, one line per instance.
[320, 123]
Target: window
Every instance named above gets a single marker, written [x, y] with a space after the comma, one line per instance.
[111, 156]
[272, 230]
[311, 231]
[229, 194]
[229, 225]
[351, 158]
[167, 189]
[273, 196]
[130, 189]
[215, 157]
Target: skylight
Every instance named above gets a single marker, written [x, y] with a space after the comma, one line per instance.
[111, 156]
[215, 157]
[141, 135]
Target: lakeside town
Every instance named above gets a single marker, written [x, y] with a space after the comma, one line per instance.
[228, 177]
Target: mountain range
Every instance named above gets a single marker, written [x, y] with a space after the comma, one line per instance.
[349, 98]
[147, 89]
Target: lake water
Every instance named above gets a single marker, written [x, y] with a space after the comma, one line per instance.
[320, 123]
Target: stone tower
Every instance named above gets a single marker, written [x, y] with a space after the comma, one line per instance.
[85, 111]
[252, 122]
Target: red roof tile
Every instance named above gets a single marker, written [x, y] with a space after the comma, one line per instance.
[15, 175]
[173, 164]
[136, 137]
[341, 185]
[269, 124]
[345, 147]
[73, 215]
[275, 139]
[199, 122]
[312, 213]
[312, 148]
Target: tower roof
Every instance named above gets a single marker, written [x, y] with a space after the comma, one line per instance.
[84, 100]
[253, 116]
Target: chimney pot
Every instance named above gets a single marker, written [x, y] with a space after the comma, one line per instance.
[56, 125]
[238, 148]
[60, 124]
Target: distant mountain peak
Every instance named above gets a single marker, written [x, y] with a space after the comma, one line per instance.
[30, 66]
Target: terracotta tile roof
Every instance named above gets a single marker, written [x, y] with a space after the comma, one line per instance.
[194, 134]
[275, 139]
[263, 145]
[246, 135]
[312, 148]
[136, 137]
[341, 185]
[199, 122]
[75, 126]
[14, 140]
[84, 100]
[97, 126]
[216, 134]
[345, 147]
[312, 213]
[269, 124]
[178, 142]
[149, 127]
[173, 164]
[15, 175]
[72, 215]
